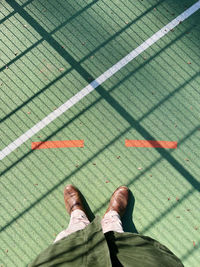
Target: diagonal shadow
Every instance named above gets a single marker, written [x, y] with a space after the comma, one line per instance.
[58, 184]
[14, 12]
[103, 93]
[106, 202]
[166, 98]
[73, 17]
[85, 58]
[133, 123]
[141, 174]
[42, 39]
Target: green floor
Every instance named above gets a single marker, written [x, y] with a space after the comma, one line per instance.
[50, 50]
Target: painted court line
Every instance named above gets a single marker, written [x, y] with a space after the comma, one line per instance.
[151, 143]
[57, 144]
[94, 84]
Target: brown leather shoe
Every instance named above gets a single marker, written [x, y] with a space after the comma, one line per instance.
[119, 200]
[73, 200]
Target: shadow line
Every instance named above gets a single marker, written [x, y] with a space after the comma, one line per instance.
[14, 12]
[111, 101]
[42, 39]
[76, 170]
[81, 61]
[85, 58]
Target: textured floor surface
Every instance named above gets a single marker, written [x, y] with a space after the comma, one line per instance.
[51, 50]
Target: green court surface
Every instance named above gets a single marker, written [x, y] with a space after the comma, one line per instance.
[50, 51]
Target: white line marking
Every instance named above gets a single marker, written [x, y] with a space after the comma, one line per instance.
[102, 78]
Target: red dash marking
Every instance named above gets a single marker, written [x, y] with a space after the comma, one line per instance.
[57, 144]
[150, 143]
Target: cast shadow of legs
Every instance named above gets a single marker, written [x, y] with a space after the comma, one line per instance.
[127, 222]
[89, 213]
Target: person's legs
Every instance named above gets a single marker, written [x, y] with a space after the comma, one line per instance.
[78, 221]
[111, 222]
[74, 206]
[117, 206]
